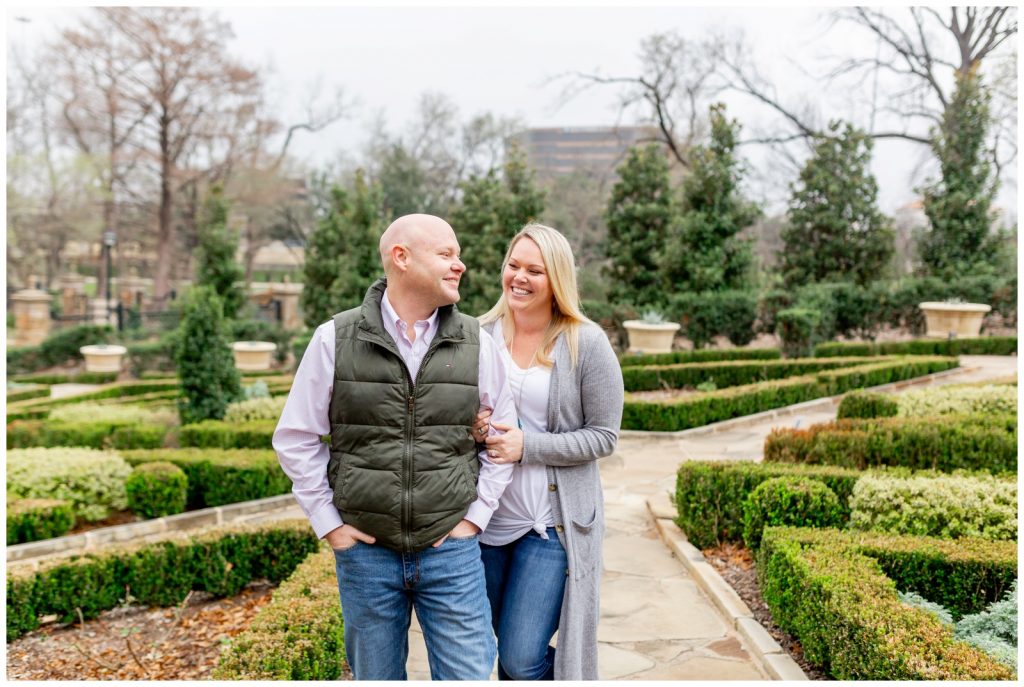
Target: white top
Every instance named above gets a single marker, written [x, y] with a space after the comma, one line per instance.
[525, 505]
[304, 457]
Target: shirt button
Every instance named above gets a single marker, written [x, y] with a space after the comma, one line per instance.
[558, 528]
[552, 487]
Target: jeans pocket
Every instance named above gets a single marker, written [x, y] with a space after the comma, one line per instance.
[346, 548]
[469, 538]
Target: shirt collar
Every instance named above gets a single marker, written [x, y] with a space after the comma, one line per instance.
[392, 322]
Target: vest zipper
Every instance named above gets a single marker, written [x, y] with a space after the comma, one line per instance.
[410, 425]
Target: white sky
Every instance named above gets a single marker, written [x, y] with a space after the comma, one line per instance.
[499, 59]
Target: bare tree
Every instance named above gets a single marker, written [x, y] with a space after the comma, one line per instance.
[673, 89]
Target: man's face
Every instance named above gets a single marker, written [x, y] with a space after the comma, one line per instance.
[435, 268]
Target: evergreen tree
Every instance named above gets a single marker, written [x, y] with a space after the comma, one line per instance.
[206, 367]
[216, 265]
[490, 213]
[835, 230]
[639, 211]
[959, 204]
[342, 257]
[703, 251]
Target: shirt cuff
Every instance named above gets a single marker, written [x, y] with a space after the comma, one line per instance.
[479, 514]
[325, 519]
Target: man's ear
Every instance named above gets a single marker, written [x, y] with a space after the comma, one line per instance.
[400, 257]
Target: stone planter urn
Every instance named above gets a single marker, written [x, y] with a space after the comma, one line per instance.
[253, 356]
[959, 320]
[103, 357]
[645, 337]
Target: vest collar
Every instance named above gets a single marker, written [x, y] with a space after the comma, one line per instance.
[371, 324]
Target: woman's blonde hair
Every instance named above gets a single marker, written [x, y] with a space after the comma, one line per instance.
[566, 316]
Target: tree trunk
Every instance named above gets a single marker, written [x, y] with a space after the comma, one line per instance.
[165, 233]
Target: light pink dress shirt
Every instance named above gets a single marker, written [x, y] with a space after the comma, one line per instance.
[304, 420]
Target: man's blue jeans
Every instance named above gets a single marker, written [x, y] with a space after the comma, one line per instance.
[380, 587]
[525, 585]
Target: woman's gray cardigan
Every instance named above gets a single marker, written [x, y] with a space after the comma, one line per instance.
[584, 415]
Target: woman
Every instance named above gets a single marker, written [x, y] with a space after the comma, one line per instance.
[542, 549]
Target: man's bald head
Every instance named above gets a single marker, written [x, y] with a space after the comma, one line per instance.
[417, 232]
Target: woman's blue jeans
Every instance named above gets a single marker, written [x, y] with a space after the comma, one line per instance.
[525, 585]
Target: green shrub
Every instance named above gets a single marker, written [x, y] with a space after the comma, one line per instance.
[791, 500]
[26, 392]
[58, 348]
[798, 329]
[299, 635]
[710, 495]
[219, 476]
[41, 407]
[994, 630]
[695, 410]
[729, 313]
[111, 414]
[946, 507]
[145, 357]
[945, 443]
[958, 399]
[220, 561]
[701, 356]
[220, 434]
[156, 489]
[92, 481]
[726, 373]
[864, 404]
[836, 594]
[268, 408]
[35, 519]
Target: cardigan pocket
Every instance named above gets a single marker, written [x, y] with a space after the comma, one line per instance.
[586, 545]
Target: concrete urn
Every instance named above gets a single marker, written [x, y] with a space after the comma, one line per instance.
[645, 337]
[958, 320]
[103, 357]
[252, 356]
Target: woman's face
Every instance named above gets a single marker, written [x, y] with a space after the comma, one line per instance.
[525, 280]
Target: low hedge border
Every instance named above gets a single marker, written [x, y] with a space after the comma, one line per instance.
[699, 409]
[220, 434]
[299, 635]
[103, 435]
[985, 345]
[35, 519]
[28, 392]
[75, 378]
[836, 593]
[942, 442]
[698, 356]
[218, 476]
[219, 561]
[39, 408]
[727, 373]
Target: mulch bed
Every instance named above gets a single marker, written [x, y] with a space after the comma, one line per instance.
[138, 643]
[736, 566]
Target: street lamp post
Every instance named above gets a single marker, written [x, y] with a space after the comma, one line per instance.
[109, 240]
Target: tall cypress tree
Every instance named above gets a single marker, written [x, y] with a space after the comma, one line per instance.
[207, 375]
[835, 230]
[216, 265]
[342, 259]
[959, 204]
[491, 211]
[703, 251]
[638, 214]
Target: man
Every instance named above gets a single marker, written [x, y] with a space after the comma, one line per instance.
[402, 492]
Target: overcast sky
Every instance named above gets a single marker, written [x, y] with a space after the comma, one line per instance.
[501, 60]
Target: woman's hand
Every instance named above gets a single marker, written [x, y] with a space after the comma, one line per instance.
[479, 430]
[507, 447]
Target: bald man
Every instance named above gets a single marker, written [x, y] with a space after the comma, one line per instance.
[403, 489]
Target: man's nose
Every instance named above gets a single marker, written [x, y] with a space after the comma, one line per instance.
[459, 266]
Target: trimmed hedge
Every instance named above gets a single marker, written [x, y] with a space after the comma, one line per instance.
[699, 356]
[836, 594]
[710, 495]
[218, 476]
[92, 481]
[943, 442]
[27, 392]
[40, 408]
[790, 500]
[35, 519]
[726, 373]
[695, 410]
[864, 404]
[949, 507]
[99, 434]
[221, 434]
[58, 348]
[219, 561]
[77, 378]
[985, 345]
[156, 490]
[299, 635]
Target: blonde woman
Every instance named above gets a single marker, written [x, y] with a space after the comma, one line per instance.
[542, 548]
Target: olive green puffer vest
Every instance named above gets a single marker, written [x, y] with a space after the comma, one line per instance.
[403, 465]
